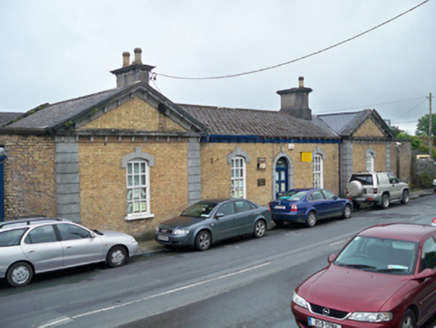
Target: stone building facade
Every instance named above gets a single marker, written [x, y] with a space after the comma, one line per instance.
[128, 158]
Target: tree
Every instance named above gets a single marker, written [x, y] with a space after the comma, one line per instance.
[416, 141]
[423, 125]
[396, 131]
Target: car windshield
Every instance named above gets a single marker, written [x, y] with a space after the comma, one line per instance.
[379, 255]
[200, 210]
[294, 194]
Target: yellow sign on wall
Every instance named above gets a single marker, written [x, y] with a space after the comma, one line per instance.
[306, 157]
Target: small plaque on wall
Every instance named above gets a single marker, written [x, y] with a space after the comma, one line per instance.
[306, 157]
[261, 182]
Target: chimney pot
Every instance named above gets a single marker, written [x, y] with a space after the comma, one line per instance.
[301, 82]
[138, 52]
[126, 59]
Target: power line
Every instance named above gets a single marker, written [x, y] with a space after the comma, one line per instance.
[298, 59]
[425, 99]
[370, 106]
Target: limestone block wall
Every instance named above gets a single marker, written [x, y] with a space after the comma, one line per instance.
[136, 115]
[368, 129]
[216, 171]
[30, 176]
[103, 188]
[359, 159]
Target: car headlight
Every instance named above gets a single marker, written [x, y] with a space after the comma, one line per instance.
[297, 299]
[180, 232]
[371, 316]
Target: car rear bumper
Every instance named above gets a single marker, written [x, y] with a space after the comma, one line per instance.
[288, 217]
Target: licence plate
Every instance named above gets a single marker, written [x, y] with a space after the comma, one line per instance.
[360, 199]
[279, 207]
[163, 238]
[321, 323]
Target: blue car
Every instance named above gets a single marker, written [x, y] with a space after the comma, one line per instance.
[309, 205]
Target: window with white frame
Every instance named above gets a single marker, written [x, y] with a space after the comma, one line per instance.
[138, 189]
[318, 176]
[370, 162]
[238, 177]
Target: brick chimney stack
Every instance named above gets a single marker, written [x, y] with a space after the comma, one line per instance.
[134, 72]
[295, 101]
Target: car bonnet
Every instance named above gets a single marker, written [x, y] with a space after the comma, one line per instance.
[181, 221]
[350, 290]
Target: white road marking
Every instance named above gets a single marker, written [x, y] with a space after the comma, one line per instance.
[67, 319]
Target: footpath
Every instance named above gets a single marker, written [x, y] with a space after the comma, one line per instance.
[149, 247]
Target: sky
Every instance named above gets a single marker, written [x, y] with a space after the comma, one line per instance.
[55, 50]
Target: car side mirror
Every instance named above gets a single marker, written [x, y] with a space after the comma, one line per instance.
[219, 215]
[425, 274]
[332, 258]
[93, 234]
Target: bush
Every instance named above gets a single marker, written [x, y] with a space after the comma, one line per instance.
[423, 181]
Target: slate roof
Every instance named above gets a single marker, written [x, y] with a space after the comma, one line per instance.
[50, 115]
[236, 121]
[344, 124]
[6, 117]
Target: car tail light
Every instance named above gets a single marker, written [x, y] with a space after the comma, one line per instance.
[375, 190]
[294, 208]
[269, 207]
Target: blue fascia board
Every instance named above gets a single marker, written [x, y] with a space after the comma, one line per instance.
[216, 138]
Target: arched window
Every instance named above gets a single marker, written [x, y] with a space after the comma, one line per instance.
[138, 187]
[137, 167]
[318, 157]
[369, 156]
[318, 174]
[238, 177]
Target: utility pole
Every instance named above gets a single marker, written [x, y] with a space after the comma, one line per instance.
[430, 129]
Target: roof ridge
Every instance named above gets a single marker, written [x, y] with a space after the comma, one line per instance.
[230, 108]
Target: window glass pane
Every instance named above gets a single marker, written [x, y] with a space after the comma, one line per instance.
[136, 180]
[129, 168]
[129, 181]
[11, 238]
[70, 232]
[44, 234]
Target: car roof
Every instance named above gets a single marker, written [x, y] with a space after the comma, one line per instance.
[13, 224]
[401, 231]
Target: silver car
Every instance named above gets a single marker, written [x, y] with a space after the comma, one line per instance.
[37, 245]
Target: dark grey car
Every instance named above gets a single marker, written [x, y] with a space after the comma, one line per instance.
[209, 221]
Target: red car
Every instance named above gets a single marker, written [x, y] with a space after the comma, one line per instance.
[384, 277]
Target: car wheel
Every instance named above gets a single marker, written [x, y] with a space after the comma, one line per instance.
[311, 219]
[408, 320]
[19, 274]
[347, 212]
[385, 201]
[405, 197]
[203, 240]
[116, 257]
[259, 229]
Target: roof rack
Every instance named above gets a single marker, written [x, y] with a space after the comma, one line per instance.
[27, 221]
